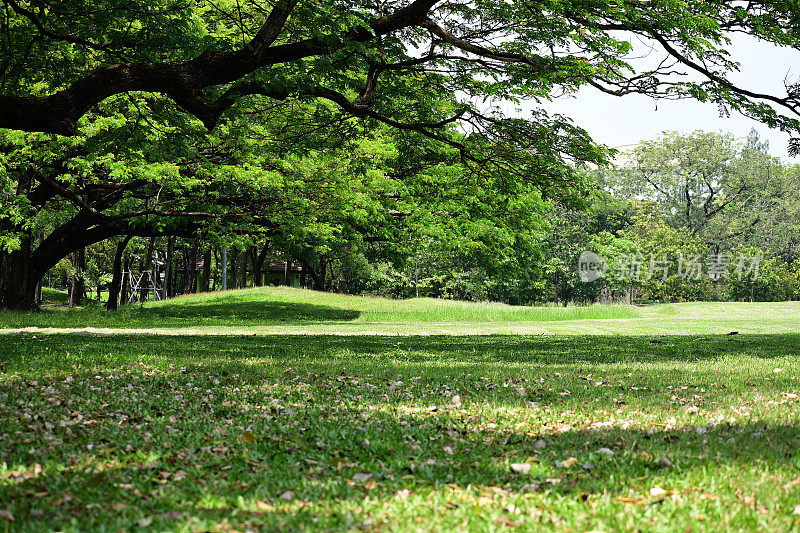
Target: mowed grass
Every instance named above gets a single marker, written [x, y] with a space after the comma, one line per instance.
[235, 432]
[273, 306]
[280, 310]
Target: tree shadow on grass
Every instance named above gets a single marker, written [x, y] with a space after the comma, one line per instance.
[511, 349]
[233, 309]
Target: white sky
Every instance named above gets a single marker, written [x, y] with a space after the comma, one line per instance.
[622, 121]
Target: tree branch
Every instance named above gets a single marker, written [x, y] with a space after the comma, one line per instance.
[183, 81]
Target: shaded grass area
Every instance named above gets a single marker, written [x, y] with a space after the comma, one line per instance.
[279, 305]
[315, 432]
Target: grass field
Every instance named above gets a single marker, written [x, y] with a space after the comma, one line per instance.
[650, 419]
[278, 310]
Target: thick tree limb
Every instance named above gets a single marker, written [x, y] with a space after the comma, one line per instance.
[183, 81]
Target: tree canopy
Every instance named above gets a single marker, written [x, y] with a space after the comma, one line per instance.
[325, 120]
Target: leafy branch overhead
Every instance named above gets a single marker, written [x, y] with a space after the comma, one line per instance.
[63, 58]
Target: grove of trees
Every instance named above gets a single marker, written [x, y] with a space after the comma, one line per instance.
[362, 138]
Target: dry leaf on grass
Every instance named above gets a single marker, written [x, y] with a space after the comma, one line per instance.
[264, 506]
[522, 468]
[362, 476]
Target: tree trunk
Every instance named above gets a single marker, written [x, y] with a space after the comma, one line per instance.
[123, 293]
[234, 255]
[144, 269]
[192, 283]
[78, 286]
[258, 266]
[17, 283]
[206, 270]
[116, 281]
[323, 274]
[245, 255]
[315, 281]
[169, 287]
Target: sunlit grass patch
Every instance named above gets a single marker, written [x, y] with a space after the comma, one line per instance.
[399, 433]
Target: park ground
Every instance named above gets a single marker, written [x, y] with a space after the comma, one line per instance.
[280, 409]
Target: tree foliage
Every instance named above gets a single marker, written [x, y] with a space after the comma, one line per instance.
[320, 124]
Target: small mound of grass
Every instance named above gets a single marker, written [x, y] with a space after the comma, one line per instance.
[54, 296]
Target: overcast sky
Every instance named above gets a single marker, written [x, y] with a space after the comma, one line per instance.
[622, 121]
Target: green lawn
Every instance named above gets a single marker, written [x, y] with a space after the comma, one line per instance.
[235, 431]
[279, 310]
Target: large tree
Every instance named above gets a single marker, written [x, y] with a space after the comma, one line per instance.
[123, 94]
[60, 59]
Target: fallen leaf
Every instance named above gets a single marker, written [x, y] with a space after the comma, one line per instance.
[457, 401]
[287, 495]
[657, 491]
[402, 494]
[664, 462]
[605, 451]
[144, 522]
[448, 450]
[505, 521]
[6, 515]
[569, 462]
[539, 444]
[264, 506]
[362, 476]
[522, 468]
[248, 437]
[796, 510]
[792, 483]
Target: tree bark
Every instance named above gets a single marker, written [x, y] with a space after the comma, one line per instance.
[258, 267]
[78, 285]
[116, 281]
[234, 255]
[206, 270]
[192, 287]
[169, 286]
[315, 280]
[149, 282]
[123, 293]
[323, 273]
[17, 282]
